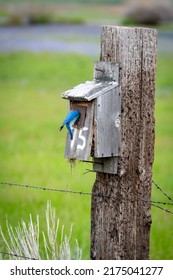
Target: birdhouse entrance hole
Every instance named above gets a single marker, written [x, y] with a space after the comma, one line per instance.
[82, 109]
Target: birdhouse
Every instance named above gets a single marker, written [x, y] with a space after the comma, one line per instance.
[97, 132]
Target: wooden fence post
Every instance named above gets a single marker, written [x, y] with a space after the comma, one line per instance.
[120, 218]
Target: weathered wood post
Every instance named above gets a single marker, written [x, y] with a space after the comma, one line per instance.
[120, 219]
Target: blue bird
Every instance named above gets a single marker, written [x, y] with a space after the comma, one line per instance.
[70, 120]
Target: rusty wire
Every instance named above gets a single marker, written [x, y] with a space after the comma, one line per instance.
[151, 202]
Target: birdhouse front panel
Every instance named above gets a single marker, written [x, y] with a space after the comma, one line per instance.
[80, 146]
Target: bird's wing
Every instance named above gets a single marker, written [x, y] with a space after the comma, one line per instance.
[71, 116]
[72, 122]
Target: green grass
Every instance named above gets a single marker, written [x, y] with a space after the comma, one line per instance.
[162, 225]
[32, 148]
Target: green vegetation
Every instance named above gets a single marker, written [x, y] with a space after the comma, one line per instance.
[124, 12]
[54, 13]
[63, 2]
[32, 148]
[23, 12]
[162, 228]
[25, 239]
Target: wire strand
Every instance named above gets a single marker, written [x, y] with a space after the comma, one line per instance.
[45, 188]
[100, 195]
[160, 189]
[17, 256]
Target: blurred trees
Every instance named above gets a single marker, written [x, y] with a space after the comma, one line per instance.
[149, 12]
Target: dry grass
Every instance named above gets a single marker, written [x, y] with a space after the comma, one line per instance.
[24, 240]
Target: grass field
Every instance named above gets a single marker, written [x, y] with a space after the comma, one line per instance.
[31, 146]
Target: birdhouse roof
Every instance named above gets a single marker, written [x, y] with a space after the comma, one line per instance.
[89, 90]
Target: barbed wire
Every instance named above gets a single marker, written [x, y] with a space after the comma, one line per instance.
[142, 199]
[161, 208]
[74, 192]
[45, 188]
[151, 202]
[17, 256]
[160, 189]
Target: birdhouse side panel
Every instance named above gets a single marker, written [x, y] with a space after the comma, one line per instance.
[107, 125]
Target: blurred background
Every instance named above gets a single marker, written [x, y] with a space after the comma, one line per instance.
[47, 47]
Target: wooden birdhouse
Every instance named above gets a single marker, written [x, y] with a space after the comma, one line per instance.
[97, 133]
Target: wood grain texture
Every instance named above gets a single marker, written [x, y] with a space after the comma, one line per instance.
[107, 121]
[107, 113]
[107, 125]
[120, 221]
[89, 90]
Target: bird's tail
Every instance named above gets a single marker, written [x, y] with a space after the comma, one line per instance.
[61, 127]
[71, 135]
[70, 131]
